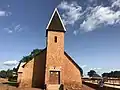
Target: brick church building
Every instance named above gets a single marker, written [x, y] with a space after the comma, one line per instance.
[53, 68]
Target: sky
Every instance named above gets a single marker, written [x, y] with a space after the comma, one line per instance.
[92, 35]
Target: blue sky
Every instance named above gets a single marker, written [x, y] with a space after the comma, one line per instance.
[92, 37]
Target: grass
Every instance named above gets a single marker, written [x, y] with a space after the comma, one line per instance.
[12, 83]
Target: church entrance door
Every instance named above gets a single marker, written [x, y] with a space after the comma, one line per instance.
[54, 77]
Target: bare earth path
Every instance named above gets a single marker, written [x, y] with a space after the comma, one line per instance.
[87, 88]
[7, 87]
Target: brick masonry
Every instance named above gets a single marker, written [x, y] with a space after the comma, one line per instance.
[26, 80]
[36, 72]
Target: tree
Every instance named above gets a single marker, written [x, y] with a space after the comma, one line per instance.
[26, 58]
[31, 55]
[91, 73]
[9, 73]
[35, 52]
[3, 74]
[14, 69]
[114, 74]
[105, 75]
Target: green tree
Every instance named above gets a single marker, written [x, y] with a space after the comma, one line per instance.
[114, 74]
[9, 73]
[26, 58]
[105, 75]
[32, 54]
[91, 73]
[3, 74]
[35, 52]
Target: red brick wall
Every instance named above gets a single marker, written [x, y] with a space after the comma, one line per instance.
[39, 70]
[72, 76]
[55, 53]
[19, 77]
[26, 80]
[52, 59]
[56, 60]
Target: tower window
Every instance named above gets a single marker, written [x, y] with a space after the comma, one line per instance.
[55, 39]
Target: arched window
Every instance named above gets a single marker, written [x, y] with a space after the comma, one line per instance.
[55, 39]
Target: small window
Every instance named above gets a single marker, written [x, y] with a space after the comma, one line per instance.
[55, 39]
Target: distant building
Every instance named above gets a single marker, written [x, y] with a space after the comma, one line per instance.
[53, 67]
[14, 74]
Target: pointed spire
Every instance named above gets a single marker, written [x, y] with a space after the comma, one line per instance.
[56, 23]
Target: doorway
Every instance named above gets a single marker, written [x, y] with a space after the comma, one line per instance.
[54, 77]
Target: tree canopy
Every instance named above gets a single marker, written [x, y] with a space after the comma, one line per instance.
[93, 73]
[114, 74]
[7, 73]
[31, 55]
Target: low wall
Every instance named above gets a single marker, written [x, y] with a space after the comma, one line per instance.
[95, 86]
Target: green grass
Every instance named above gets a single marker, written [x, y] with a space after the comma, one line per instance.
[12, 83]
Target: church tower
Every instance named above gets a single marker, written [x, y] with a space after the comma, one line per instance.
[55, 46]
[55, 30]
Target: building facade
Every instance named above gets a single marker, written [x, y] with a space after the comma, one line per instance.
[53, 68]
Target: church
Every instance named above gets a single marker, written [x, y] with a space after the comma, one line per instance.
[53, 68]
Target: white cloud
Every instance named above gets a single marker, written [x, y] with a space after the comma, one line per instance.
[91, 17]
[5, 13]
[13, 28]
[97, 68]
[8, 5]
[10, 31]
[2, 13]
[11, 63]
[75, 32]
[72, 12]
[100, 16]
[116, 3]
[18, 28]
[83, 66]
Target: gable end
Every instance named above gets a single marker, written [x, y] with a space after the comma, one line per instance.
[77, 66]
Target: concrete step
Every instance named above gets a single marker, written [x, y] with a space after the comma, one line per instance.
[53, 87]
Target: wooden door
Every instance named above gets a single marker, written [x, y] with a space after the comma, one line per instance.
[54, 77]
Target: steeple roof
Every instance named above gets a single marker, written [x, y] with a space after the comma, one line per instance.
[56, 23]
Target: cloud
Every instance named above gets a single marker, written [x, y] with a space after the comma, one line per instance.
[83, 66]
[116, 3]
[10, 31]
[13, 28]
[75, 32]
[11, 63]
[97, 68]
[8, 6]
[91, 17]
[100, 16]
[18, 28]
[5, 13]
[2, 13]
[72, 12]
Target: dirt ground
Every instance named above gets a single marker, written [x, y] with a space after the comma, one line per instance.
[87, 88]
[3, 80]
[8, 87]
